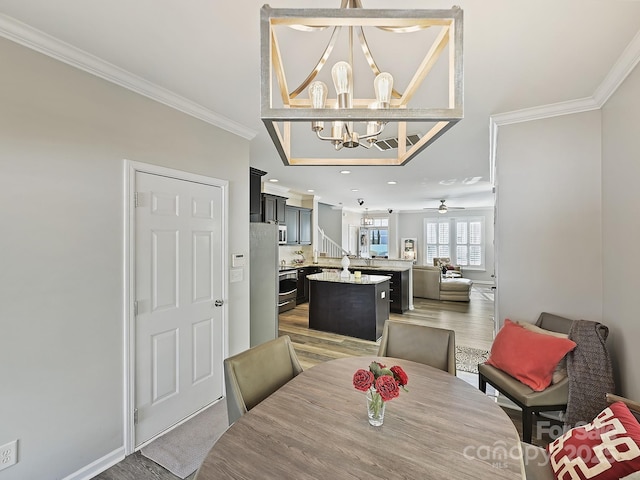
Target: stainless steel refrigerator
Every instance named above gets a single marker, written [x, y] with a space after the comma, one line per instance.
[263, 265]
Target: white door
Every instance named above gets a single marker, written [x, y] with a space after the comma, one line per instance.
[178, 327]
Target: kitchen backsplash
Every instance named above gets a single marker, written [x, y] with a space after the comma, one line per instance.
[290, 257]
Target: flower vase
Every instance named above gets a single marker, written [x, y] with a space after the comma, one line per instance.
[375, 408]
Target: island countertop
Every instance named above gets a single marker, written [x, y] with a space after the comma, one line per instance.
[336, 278]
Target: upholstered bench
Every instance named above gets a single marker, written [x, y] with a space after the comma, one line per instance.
[428, 283]
[457, 289]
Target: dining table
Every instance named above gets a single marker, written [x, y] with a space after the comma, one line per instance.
[316, 427]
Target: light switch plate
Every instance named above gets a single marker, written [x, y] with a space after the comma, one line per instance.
[236, 275]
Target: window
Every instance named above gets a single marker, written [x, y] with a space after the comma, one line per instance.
[378, 242]
[374, 237]
[460, 239]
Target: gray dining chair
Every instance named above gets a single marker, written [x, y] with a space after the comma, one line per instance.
[431, 346]
[552, 398]
[253, 375]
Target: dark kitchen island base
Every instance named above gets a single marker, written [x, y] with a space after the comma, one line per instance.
[357, 308]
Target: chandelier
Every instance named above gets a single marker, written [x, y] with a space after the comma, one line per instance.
[345, 121]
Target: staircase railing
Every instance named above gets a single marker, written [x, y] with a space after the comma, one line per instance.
[329, 247]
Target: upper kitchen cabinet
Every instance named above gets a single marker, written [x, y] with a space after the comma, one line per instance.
[255, 196]
[298, 222]
[305, 226]
[273, 208]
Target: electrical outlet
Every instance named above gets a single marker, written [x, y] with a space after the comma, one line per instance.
[8, 454]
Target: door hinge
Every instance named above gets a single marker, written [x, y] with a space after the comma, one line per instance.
[137, 199]
[135, 308]
[135, 416]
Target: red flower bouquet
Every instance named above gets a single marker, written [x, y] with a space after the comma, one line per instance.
[381, 384]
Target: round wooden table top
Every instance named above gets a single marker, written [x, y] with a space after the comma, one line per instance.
[316, 427]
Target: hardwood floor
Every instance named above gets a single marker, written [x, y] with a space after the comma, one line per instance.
[472, 322]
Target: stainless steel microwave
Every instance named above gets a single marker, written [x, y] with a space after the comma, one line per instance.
[282, 234]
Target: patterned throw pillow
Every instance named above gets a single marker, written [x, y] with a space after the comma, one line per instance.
[606, 449]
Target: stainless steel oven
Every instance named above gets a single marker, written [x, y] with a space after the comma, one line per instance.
[287, 289]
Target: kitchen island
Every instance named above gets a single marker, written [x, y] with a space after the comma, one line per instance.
[357, 307]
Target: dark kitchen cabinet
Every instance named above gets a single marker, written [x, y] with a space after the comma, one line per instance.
[398, 288]
[298, 222]
[273, 208]
[303, 283]
[255, 197]
[305, 226]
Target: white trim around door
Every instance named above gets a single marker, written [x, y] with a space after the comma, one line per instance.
[130, 168]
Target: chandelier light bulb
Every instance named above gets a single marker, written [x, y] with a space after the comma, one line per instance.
[318, 94]
[342, 77]
[318, 97]
[383, 86]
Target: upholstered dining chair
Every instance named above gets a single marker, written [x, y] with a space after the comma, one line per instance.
[431, 346]
[553, 398]
[253, 375]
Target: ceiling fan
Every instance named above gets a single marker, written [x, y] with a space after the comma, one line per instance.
[444, 208]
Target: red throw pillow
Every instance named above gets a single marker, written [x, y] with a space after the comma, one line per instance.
[528, 356]
[606, 449]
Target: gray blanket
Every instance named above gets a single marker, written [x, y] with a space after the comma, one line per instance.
[590, 372]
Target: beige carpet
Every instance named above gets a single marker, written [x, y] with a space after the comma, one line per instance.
[182, 450]
[467, 358]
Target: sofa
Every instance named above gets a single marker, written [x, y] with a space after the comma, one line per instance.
[429, 283]
[445, 264]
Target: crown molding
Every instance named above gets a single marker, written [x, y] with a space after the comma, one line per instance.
[619, 72]
[545, 111]
[29, 37]
[625, 64]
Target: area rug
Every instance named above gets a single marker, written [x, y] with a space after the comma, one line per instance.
[467, 358]
[182, 450]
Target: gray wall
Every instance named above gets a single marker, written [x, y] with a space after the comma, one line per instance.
[63, 137]
[621, 228]
[548, 225]
[330, 220]
[575, 179]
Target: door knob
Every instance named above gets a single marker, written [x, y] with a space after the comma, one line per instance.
[218, 303]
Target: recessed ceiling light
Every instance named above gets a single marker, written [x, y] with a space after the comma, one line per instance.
[471, 180]
[392, 182]
[311, 190]
[451, 181]
[274, 180]
[354, 189]
[345, 172]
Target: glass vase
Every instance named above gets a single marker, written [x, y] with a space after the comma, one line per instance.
[375, 408]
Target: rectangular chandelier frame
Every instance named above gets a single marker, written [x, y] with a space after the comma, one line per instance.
[298, 109]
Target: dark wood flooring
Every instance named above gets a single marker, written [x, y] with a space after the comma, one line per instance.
[473, 323]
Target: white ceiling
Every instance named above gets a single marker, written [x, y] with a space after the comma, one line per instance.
[518, 54]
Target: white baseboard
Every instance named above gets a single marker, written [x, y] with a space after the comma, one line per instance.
[99, 466]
